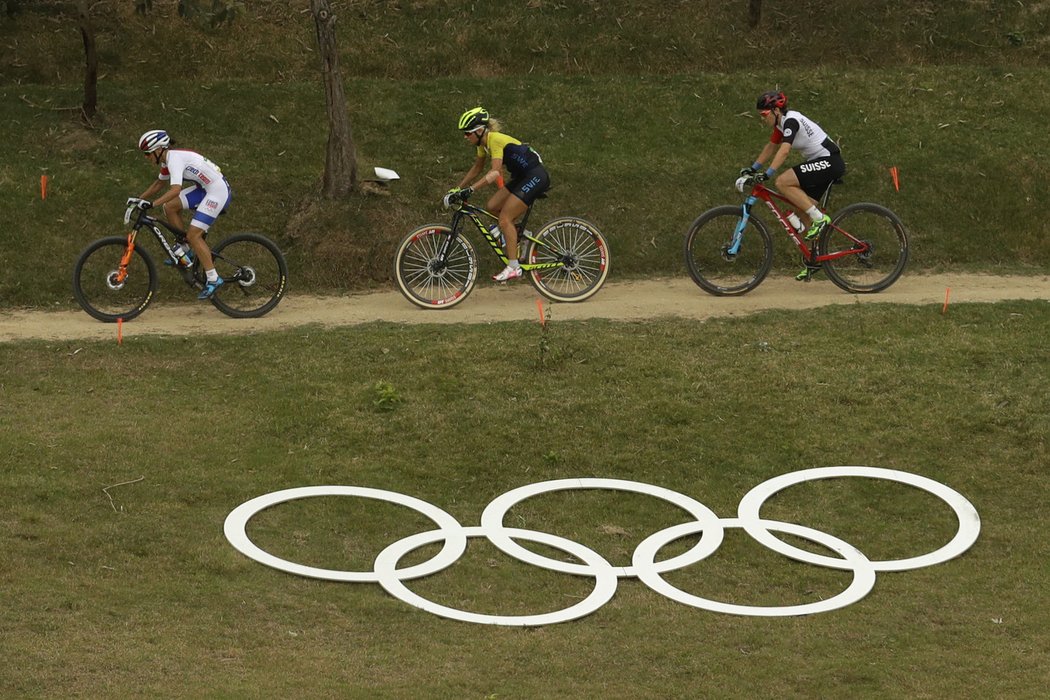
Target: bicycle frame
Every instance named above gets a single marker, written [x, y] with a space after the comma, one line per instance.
[475, 214]
[760, 192]
[154, 224]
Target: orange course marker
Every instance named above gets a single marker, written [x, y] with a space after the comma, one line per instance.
[543, 319]
[895, 174]
[120, 331]
[43, 187]
[947, 293]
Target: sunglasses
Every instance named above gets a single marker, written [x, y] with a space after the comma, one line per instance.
[765, 112]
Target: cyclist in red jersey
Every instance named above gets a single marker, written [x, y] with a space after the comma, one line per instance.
[804, 184]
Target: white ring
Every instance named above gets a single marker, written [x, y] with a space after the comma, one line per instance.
[495, 512]
[604, 585]
[969, 520]
[863, 571]
[237, 522]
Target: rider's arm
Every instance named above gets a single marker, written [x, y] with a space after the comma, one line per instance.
[493, 175]
[767, 151]
[153, 189]
[781, 155]
[479, 163]
[171, 194]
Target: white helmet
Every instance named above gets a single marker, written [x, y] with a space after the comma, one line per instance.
[154, 140]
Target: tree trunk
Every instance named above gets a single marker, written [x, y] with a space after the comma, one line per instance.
[754, 12]
[87, 33]
[340, 170]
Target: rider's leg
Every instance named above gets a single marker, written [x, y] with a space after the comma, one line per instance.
[513, 208]
[173, 215]
[195, 235]
[788, 185]
[496, 201]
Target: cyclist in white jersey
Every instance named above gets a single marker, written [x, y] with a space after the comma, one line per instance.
[804, 184]
[195, 183]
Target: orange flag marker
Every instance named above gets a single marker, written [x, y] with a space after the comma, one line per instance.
[120, 331]
[895, 174]
[543, 319]
[947, 293]
[43, 187]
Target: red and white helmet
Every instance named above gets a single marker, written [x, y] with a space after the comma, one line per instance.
[154, 140]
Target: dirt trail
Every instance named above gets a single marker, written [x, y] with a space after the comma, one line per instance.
[639, 300]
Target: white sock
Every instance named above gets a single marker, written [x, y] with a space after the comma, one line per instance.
[515, 263]
[212, 275]
[814, 214]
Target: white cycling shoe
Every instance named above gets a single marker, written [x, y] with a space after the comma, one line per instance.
[509, 273]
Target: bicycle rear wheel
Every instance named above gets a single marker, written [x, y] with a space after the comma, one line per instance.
[579, 257]
[708, 258]
[880, 232]
[424, 278]
[96, 285]
[254, 272]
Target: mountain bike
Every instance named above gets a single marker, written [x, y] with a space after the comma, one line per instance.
[729, 250]
[115, 278]
[436, 266]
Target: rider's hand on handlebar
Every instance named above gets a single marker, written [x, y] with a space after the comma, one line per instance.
[456, 195]
[748, 171]
[139, 202]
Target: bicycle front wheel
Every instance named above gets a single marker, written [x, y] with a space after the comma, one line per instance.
[428, 280]
[97, 283]
[254, 273]
[710, 256]
[577, 255]
[880, 239]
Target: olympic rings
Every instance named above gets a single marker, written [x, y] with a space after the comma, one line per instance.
[237, 522]
[969, 520]
[496, 511]
[643, 566]
[605, 584]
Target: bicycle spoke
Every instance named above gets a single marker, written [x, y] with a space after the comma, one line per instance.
[424, 278]
[721, 262]
[877, 245]
[581, 254]
[96, 283]
[254, 274]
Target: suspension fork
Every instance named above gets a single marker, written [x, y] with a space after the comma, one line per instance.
[738, 233]
[125, 259]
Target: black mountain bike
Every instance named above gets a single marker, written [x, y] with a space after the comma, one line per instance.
[436, 265]
[115, 278]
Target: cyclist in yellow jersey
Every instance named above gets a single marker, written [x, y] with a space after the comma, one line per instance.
[528, 178]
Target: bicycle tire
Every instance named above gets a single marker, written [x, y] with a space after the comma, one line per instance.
[584, 252]
[425, 280]
[875, 270]
[254, 272]
[706, 252]
[96, 289]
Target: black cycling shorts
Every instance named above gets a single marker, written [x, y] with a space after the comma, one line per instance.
[530, 185]
[815, 175]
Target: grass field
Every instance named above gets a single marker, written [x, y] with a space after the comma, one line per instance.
[643, 114]
[121, 463]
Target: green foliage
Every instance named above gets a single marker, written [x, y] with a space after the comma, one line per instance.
[643, 116]
[385, 396]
